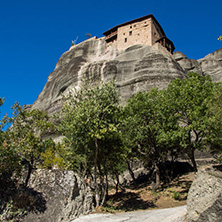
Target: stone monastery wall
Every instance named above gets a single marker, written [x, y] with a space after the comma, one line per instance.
[145, 30]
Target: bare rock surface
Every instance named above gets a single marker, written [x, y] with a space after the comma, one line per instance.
[65, 194]
[212, 65]
[204, 201]
[188, 65]
[137, 68]
[176, 214]
[209, 65]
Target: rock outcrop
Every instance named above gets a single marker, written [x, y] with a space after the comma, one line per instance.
[137, 68]
[188, 65]
[65, 194]
[212, 65]
[204, 201]
[209, 65]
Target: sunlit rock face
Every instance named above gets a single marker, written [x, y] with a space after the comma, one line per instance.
[138, 68]
[204, 202]
[64, 196]
[209, 65]
[212, 65]
[134, 69]
[188, 65]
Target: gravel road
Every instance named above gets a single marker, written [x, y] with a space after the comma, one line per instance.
[176, 214]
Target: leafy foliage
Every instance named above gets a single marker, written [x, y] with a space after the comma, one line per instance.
[147, 128]
[188, 99]
[214, 135]
[52, 157]
[101, 138]
[24, 137]
[90, 124]
[8, 157]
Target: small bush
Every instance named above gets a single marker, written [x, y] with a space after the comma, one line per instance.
[176, 195]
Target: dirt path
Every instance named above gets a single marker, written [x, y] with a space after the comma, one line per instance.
[176, 214]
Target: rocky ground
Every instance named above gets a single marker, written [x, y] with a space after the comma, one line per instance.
[142, 204]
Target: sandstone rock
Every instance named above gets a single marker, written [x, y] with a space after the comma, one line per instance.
[137, 68]
[188, 65]
[209, 65]
[65, 193]
[212, 65]
[204, 201]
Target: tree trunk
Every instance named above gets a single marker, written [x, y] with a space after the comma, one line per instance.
[157, 171]
[193, 161]
[131, 172]
[105, 190]
[107, 187]
[117, 182]
[95, 175]
[28, 174]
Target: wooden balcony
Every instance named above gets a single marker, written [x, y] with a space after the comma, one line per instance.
[112, 35]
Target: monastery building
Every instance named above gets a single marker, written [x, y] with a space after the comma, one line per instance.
[144, 30]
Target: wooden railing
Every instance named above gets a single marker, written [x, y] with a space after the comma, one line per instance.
[110, 35]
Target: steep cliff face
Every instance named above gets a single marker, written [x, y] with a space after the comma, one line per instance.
[137, 68]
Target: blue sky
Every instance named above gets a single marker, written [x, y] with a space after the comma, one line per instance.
[35, 33]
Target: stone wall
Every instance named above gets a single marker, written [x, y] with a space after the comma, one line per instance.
[156, 33]
[141, 33]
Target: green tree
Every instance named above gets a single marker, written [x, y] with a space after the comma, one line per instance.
[9, 160]
[220, 38]
[188, 99]
[53, 155]
[90, 124]
[214, 136]
[25, 136]
[148, 127]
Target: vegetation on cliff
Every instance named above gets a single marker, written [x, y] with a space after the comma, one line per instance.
[101, 138]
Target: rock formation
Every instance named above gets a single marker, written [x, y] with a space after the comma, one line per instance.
[212, 65]
[204, 201]
[188, 65]
[209, 65]
[137, 68]
[66, 196]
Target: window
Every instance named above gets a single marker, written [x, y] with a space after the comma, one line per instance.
[123, 33]
[134, 25]
[130, 32]
[131, 26]
[125, 39]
